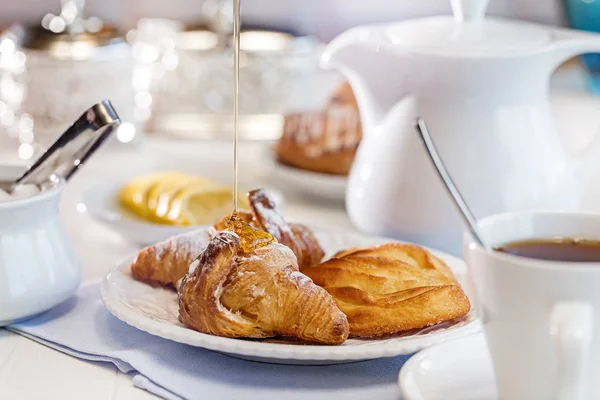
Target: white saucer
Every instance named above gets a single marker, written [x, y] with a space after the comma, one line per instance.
[325, 186]
[459, 369]
[155, 310]
[101, 203]
[330, 187]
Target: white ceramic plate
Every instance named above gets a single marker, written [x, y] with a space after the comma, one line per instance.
[459, 369]
[101, 203]
[326, 186]
[155, 310]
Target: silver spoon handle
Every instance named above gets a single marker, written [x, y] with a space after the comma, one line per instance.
[459, 201]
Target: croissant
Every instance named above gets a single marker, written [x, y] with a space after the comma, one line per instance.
[166, 262]
[391, 288]
[265, 216]
[257, 295]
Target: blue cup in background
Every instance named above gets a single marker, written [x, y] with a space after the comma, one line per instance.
[585, 15]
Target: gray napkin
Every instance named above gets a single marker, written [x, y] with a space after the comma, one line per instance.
[83, 328]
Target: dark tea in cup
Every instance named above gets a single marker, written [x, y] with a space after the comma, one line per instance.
[555, 249]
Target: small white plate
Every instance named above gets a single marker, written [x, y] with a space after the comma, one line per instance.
[155, 310]
[101, 203]
[459, 369]
[325, 186]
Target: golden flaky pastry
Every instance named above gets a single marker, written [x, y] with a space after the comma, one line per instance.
[166, 262]
[391, 288]
[297, 237]
[257, 295]
[266, 216]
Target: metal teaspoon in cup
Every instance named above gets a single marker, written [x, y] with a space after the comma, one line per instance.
[441, 170]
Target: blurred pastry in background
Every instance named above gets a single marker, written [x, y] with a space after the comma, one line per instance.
[175, 198]
[344, 95]
[323, 141]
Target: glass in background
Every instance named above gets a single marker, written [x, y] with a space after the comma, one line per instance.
[183, 79]
[585, 15]
[53, 70]
[16, 127]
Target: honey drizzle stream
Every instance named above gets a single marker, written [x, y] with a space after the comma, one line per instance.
[250, 238]
[236, 93]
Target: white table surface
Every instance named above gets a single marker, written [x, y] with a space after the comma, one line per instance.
[31, 371]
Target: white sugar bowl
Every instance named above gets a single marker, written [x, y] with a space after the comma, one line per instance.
[38, 266]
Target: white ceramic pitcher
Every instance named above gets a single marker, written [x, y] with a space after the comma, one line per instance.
[482, 86]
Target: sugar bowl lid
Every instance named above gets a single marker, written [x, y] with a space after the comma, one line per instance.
[469, 32]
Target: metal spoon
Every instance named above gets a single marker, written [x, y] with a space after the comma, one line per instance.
[459, 201]
[68, 153]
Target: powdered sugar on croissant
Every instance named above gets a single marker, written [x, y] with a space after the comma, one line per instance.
[297, 237]
[259, 295]
[166, 262]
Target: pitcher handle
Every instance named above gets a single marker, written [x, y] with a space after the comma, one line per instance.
[568, 43]
[571, 325]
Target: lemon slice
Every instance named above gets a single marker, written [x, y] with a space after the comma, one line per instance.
[159, 195]
[175, 198]
[133, 196]
[198, 205]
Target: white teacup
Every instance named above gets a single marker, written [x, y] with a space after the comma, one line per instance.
[541, 318]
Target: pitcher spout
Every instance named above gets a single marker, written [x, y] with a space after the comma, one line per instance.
[373, 66]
